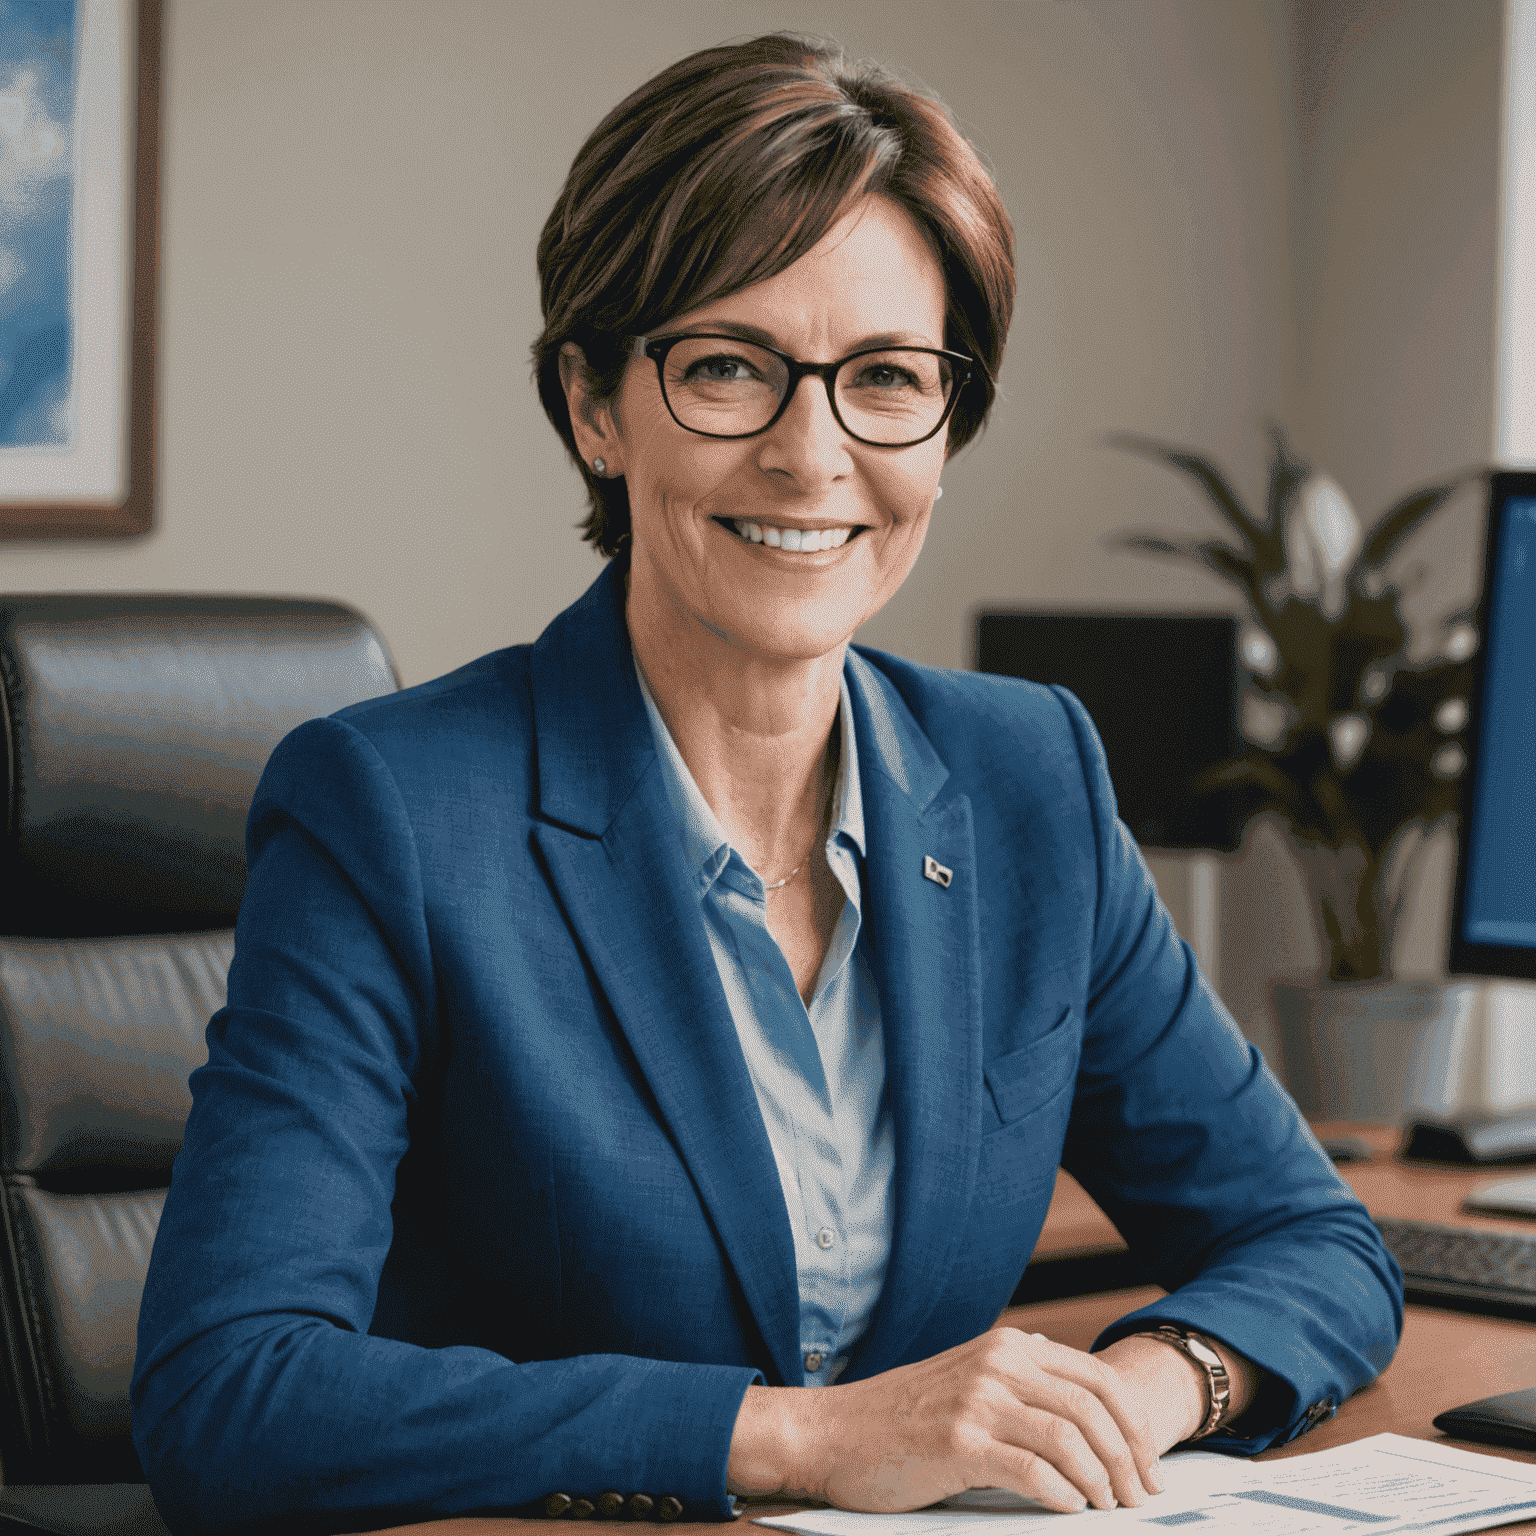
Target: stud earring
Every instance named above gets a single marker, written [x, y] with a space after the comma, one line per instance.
[938, 492]
[599, 466]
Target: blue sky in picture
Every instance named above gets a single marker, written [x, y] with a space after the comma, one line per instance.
[37, 93]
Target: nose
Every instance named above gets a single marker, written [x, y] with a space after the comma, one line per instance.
[806, 445]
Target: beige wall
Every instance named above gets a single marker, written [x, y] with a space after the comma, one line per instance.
[1226, 209]
[1516, 411]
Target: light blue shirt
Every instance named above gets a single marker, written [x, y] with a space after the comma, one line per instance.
[819, 1072]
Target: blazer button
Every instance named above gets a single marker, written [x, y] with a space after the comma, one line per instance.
[610, 1504]
[668, 1507]
[581, 1509]
[556, 1505]
[640, 1505]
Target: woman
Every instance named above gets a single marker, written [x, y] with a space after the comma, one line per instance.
[649, 1052]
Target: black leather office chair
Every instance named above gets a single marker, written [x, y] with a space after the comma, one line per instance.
[135, 729]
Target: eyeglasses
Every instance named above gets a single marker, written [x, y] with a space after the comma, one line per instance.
[889, 397]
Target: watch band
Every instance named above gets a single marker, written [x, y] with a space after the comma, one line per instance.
[1196, 1347]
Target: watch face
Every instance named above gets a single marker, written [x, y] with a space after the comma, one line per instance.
[1203, 1352]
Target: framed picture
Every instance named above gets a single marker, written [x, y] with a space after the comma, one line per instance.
[79, 200]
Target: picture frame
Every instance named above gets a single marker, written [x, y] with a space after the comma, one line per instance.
[79, 249]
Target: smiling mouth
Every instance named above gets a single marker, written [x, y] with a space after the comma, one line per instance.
[799, 540]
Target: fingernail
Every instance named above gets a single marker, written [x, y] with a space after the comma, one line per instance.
[1153, 1480]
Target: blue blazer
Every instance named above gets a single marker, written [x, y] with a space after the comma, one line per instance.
[476, 1203]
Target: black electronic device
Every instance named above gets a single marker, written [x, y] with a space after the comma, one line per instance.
[1493, 924]
[1508, 1419]
[1473, 1139]
[1467, 1268]
[1162, 689]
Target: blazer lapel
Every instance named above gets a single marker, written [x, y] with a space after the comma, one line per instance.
[610, 842]
[926, 956]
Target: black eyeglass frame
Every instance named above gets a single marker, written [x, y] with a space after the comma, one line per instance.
[657, 347]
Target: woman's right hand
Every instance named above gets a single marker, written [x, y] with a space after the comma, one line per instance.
[1008, 1410]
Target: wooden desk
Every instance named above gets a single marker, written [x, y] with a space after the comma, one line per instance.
[1077, 1230]
[1445, 1357]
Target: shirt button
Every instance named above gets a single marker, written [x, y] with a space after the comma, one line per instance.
[813, 1361]
[826, 1237]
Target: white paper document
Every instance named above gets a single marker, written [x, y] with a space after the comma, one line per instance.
[1383, 1485]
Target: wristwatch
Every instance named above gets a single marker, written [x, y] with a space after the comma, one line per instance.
[1218, 1385]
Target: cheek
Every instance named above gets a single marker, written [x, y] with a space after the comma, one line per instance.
[908, 492]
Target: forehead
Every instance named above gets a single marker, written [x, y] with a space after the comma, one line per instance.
[872, 277]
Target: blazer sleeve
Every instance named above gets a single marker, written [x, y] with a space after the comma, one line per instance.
[1201, 1159]
[259, 1396]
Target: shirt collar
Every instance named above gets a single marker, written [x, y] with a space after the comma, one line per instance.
[705, 845]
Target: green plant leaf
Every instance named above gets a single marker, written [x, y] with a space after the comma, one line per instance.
[1206, 475]
[1286, 475]
[1221, 558]
[1255, 770]
[1404, 517]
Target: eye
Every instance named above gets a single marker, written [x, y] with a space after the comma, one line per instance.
[884, 376]
[719, 368]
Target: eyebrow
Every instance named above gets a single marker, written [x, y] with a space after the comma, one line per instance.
[764, 338]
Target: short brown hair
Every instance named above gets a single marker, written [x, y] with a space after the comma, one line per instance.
[725, 169]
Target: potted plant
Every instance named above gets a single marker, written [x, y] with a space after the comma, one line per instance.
[1356, 745]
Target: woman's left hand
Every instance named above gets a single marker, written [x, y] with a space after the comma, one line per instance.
[1169, 1387]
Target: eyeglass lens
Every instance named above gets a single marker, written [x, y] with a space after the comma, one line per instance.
[731, 388]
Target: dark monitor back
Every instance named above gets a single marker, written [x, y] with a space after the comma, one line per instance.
[1493, 925]
[1162, 690]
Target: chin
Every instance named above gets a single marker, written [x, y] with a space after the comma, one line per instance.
[784, 634]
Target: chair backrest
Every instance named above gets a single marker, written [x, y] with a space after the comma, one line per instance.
[135, 729]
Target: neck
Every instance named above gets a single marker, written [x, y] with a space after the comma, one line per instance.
[754, 730]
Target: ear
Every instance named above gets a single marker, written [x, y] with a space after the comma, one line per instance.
[592, 421]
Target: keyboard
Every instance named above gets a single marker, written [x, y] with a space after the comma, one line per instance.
[1463, 1267]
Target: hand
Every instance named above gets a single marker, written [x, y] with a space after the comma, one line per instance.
[1164, 1378]
[1008, 1410]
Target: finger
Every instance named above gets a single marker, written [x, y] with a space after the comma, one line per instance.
[1034, 1477]
[1091, 1397]
[1104, 1480]
[1112, 1390]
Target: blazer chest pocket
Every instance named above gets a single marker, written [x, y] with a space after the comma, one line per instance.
[1021, 1081]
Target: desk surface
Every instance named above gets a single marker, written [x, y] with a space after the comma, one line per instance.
[1386, 1186]
[1445, 1357]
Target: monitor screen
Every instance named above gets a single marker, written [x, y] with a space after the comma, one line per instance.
[1493, 929]
[1162, 691]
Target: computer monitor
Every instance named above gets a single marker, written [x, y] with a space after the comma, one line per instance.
[1162, 689]
[1493, 922]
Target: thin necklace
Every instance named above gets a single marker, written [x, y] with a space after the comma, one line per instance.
[826, 821]
[778, 885]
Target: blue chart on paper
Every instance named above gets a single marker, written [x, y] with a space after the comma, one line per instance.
[37, 174]
[1311, 1506]
[1500, 903]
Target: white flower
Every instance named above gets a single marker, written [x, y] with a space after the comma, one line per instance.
[1322, 538]
[1460, 642]
[1346, 739]
[1451, 716]
[1448, 762]
[1264, 721]
[1258, 651]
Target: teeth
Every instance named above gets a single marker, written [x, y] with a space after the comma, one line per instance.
[805, 540]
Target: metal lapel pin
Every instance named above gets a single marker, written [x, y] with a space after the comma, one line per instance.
[933, 870]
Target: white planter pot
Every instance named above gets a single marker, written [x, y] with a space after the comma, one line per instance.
[1386, 1051]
